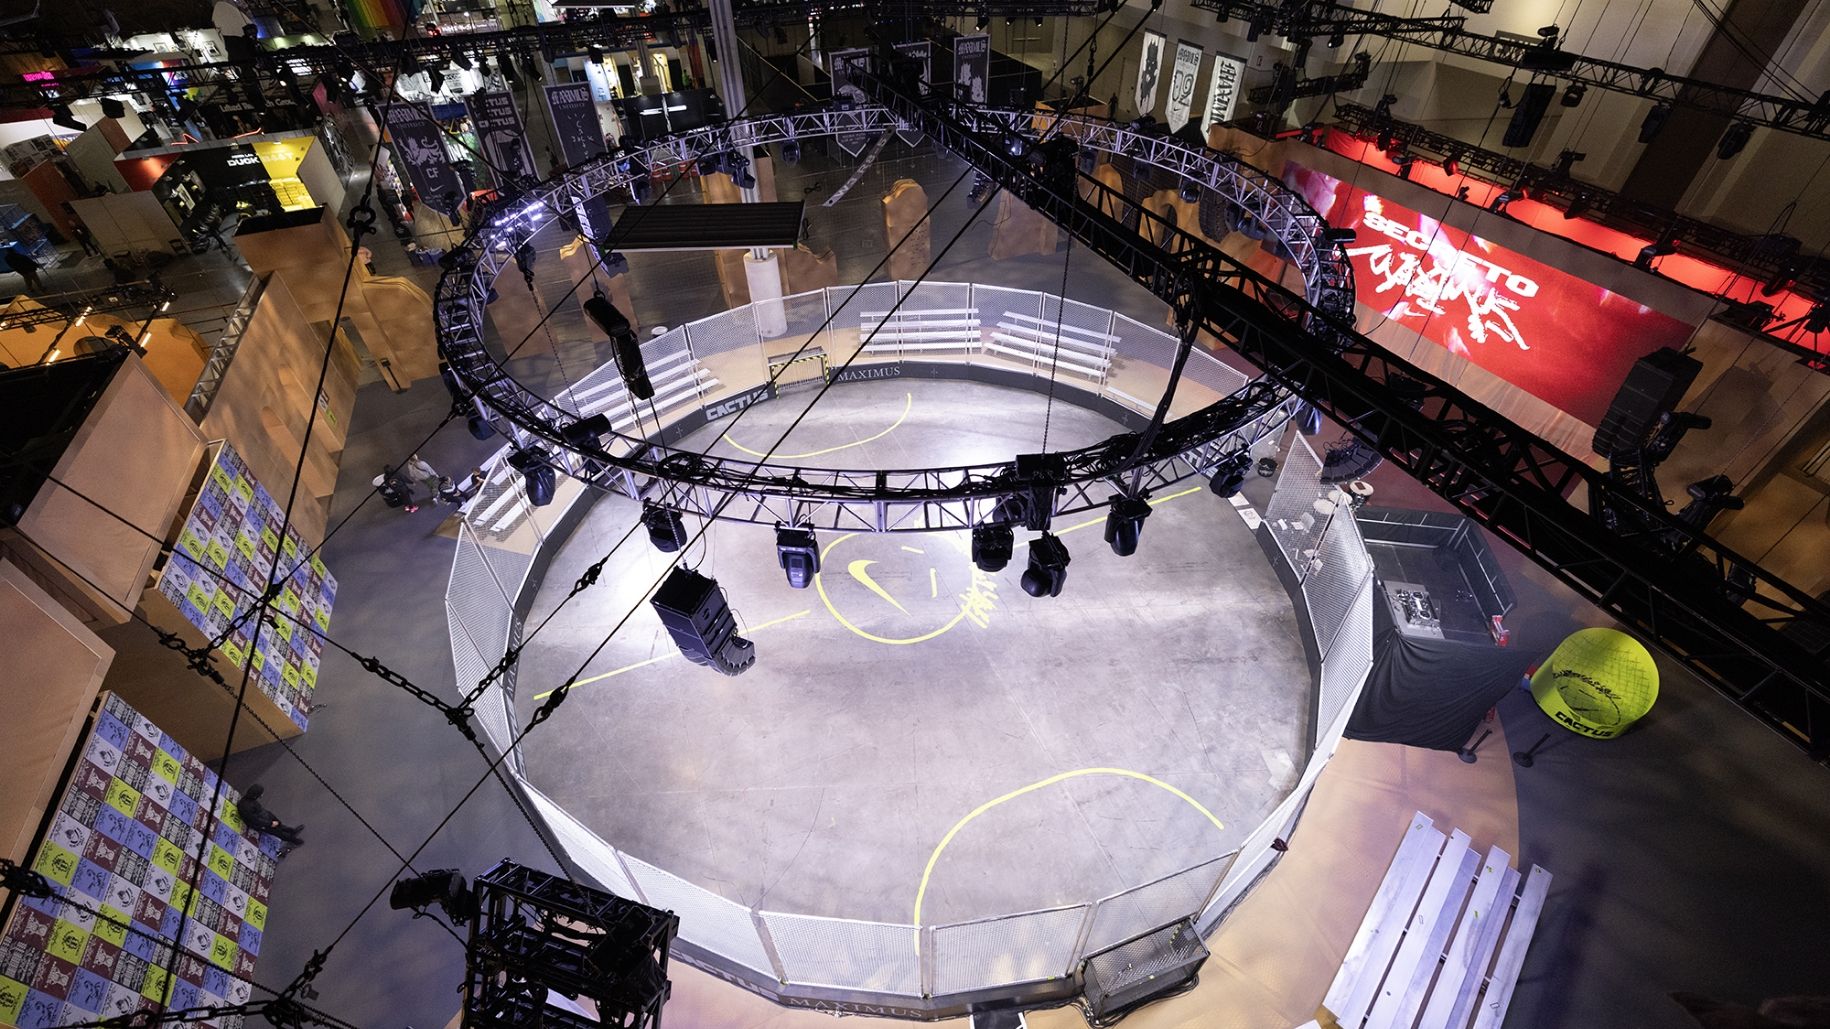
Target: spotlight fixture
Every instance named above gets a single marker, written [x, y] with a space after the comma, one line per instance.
[537, 473]
[992, 545]
[60, 115]
[1189, 191]
[1048, 561]
[112, 108]
[524, 260]
[1016, 145]
[595, 55]
[1573, 93]
[1654, 122]
[1734, 140]
[1659, 248]
[1566, 159]
[445, 887]
[435, 78]
[1578, 206]
[1498, 206]
[666, 529]
[505, 63]
[479, 427]
[791, 151]
[627, 348]
[984, 21]
[1038, 21]
[1125, 523]
[1451, 165]
[1229, 476]
[798, 554]
[1336, 38]
[696, 615]
[586, 431]
[1403, 160]
[1340, 236]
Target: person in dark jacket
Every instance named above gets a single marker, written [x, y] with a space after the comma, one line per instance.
[264, 821]
[21, 262]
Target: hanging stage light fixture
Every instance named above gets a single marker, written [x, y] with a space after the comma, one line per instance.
[791, 151]
[798, 554]
[1048, 561]
[628, 349]
[1229, 477]
[538, 474]
[586, 431]
[666, 529]
[992, 545]
[1125, 523]
[1189, 191]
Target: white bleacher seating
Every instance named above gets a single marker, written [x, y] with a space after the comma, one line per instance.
[954, 328]
[1042, 342]
[677, 379]
[1442, 942]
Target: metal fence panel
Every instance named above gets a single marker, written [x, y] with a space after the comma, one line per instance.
[1347, 662]
[722, 333]
[586, 849]
[936, 296]
[1296, 522]
[1153, 905]
[1007, 950]
[1140, 372]
[846, 955]
[851, 303]
[996, 304]
[1336, 573]
[706, 919]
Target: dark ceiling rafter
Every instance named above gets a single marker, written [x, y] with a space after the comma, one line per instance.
[1317, 19]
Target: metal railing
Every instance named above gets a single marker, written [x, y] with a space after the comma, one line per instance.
[925, 971]
[216, 366]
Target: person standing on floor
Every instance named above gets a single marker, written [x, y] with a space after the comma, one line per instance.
[264, 821]
[422, 478]
[395, 490]
[21, 262]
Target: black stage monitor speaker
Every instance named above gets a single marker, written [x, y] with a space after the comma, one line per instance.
[1143, 969]
[1653, 388]
[1527, 115]
[694, 611]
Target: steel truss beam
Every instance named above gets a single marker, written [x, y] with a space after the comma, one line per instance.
[1767, 653]
[67, 307]
[1760, 256]
[868, 500]
[1313, 19]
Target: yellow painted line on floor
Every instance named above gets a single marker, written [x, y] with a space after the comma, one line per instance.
[752, 630]
[1101, 520]
[908, 402]
[921, 892]
[913, 550]
[819, 585]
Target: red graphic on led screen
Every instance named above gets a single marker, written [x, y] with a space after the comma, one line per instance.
[1562, 339]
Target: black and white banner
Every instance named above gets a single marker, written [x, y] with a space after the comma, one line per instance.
[972, 68]
[503, 140]
[420, 148]
[576, 133]
[1149, 73]
[1182, 85]
[578, 137]
[840, 64]
[1222, 91]
[922, 54]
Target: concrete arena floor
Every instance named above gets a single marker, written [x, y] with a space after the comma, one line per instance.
[822, 780]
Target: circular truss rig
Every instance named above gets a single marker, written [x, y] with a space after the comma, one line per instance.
[1204, 442]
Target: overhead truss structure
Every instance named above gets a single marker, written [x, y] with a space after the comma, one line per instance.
[1755, 637]
[871, 500]
[66, 308]
[1315, 19]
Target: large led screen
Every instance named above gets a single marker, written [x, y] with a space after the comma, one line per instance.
[1564, 340]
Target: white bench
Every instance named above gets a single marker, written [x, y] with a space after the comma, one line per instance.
[1442, 942]
[938, 329]
[1106, 340]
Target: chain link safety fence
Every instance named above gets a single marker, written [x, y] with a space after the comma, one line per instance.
[858, 963]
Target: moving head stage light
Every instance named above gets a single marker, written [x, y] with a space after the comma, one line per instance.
[1048, 561]
[798, 553]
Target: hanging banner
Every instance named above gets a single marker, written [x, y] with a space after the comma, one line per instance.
[1149, 73]
[574, 119]
[1182, 85]
[503, 140]
[922, 54]
[972, 68]
[1222, 91]
[841, 65]
[421, 151]
[578, 137]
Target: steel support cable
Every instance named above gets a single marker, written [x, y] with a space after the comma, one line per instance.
[361, 222]
[559, 695]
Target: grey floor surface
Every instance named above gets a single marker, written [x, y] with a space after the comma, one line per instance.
[1690, 854]
[822, 779]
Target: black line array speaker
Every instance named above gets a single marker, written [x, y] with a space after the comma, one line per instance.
[1143, 969]
[1653, 387]
[693, 609]
[1527, 115]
